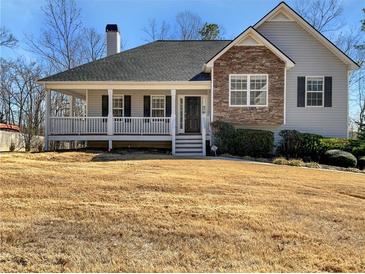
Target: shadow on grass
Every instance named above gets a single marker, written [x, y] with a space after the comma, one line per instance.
[101, 155]
[125, 155]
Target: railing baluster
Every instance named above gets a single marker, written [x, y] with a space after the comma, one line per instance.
[122, 125]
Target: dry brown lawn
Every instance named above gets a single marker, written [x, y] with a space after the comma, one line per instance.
[90, 212]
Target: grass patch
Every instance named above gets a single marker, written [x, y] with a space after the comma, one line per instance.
[70, 212]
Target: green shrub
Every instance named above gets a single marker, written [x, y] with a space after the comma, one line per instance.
[255, 143]
[224, 137]
[242, 142]
[359, 149]
[311, 147]
[336, 157]
[361, 163]
[295, 144]
[356, 147]
[280, 161]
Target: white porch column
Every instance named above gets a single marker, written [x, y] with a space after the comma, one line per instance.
[203, 125]
[87, 103]
[110, 116]
[47, 120]
[73, 144]
[72, 106]
[86, 107]
[173, 120]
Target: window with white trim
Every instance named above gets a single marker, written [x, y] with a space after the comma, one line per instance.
[248, 89]
[314, 91]
[157, 106]
[118, 105]
[238, 90]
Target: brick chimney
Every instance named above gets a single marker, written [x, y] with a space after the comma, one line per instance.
[112, 39]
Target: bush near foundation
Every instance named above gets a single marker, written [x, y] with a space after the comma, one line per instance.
[336, 157]
[242, 142]
[295, 144]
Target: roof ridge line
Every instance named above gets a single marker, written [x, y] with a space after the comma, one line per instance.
[195, 40]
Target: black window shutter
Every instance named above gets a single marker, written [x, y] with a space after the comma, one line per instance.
[127, 106]
[147, 106]
[301, 91]
[328, 91]
[104, 105]
[168, 106]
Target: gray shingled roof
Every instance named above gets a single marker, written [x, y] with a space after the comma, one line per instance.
[156, 61]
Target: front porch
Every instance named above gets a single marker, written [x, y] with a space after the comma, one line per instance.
[135, 116]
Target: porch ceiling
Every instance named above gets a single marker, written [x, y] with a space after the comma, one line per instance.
[81, 94]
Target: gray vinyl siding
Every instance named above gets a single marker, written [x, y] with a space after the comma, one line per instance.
[94, 102]
[95, 108]
[311, 59]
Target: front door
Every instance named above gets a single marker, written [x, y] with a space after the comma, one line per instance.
[192, 114]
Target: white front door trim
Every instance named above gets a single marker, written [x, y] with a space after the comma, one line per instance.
[181, 110]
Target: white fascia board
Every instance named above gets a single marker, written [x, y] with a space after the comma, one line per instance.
[130, 85]
[257, 36]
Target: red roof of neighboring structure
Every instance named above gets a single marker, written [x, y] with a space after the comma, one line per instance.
[9, 127]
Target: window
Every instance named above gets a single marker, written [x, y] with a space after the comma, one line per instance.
[118, 104]
[314, 91]
[258, 90]
[238, 90]
[248, 90]
[158, 106]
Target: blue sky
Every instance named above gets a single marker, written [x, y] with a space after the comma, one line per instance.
[25, 17]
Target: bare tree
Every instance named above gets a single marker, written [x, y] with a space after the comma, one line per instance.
[155, 31]
[347, 40]
[22, 97]
[6, 108]
[7, 39]
[360, 118]
[59, 43]
[321, 14]
[64, 43]
[188, 25]
[93, 45]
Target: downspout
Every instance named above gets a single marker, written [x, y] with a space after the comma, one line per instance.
[211, 104]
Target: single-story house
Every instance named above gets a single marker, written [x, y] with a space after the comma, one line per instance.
[280, 73]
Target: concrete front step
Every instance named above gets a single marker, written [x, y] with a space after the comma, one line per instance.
[189, 145]
[189, 154]
[190, 149]
[185, 141]
[186, 145]
[189, 137]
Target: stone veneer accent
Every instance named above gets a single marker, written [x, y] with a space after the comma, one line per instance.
[249, 60]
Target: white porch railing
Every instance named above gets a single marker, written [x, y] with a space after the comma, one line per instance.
[142, 125]
[78, 125]
[99, 125]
